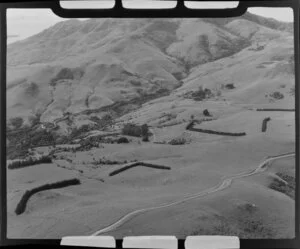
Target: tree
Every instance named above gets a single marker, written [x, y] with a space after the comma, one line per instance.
[145, 132]
[277, 95]
[123, 140]
[145, 129]
[230, 86]
[16, 122]
[32, 89]
[131, 130]
[206, 113]
[201, 94]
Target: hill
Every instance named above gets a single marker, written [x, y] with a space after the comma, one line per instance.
[77, 66]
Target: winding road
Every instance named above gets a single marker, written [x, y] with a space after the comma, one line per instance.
[225, 183]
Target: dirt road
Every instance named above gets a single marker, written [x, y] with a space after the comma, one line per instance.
[222, 185]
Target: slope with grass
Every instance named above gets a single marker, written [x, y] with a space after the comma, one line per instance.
[96, 63]
[103, 75]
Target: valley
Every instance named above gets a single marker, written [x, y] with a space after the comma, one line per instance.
[165, 126]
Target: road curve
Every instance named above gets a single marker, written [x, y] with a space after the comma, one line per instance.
[225, 183]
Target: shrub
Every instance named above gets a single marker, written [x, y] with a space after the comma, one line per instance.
[280, 186]
[145, 139]
[16, 122]
[145, 132]
[245, 227]
[93, 141]
[32, 89]
[106, 118]
[29, 162]
[175, 122]
[190, 125]
[277, 95]
[178, 141]
[102, 122]
[283, 188]
[78, 131]
[136, 131]
[201, 94]
[23, 202]
[16, 153]
[108, 162]
[289, 179]
[230, 86]
[40, 138]
[206, 113]
[22, 139]
[178, 75]
[62, 140]
[132, 130]
[123, 140]
[87, 144]
[64, 73]
[167, 117]
[135, 82]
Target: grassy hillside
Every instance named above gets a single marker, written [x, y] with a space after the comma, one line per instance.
[75, 65]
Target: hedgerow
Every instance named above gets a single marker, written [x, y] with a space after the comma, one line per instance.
[264, 124]
[29, 162]
[26, 196]
[150, 165]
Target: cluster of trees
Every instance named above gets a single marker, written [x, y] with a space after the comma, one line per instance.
[281, 186]
[23, 139]
[103, 122]
[99, 123]
[202, 94]
[32, 89]
[230, 86]
[178, 141]
[76, 132]
[123, 140]
[87, 144]
[29, 162]
[65, 73]
[136, 131]
[110, 162]
[94, 141]
[277, 95]
[16, 122]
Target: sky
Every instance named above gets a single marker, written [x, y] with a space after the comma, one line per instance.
[22, 23]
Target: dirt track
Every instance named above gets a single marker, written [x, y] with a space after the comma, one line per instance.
[222, 185]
